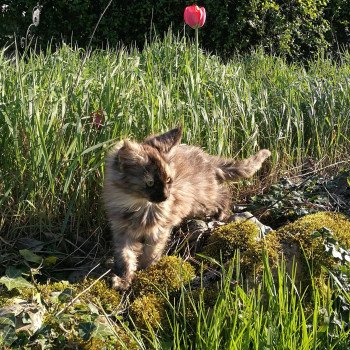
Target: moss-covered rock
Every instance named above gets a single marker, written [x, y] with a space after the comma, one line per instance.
[149, 310]
[166, 275]
[299, 242]
[245, 237]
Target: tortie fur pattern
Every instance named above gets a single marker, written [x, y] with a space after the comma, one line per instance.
[152, 186]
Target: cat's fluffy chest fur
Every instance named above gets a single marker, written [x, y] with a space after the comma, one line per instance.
[153, 186]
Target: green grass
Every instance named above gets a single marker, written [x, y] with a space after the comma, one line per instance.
[271, 314]
[51, 168]
[51, 157]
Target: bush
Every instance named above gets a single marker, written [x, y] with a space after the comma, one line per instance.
[338, 16]
[294, 28]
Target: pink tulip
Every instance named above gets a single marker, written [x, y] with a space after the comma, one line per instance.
[195, 16]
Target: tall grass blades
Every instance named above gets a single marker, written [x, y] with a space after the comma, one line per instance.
[270, 314]
[51, 165]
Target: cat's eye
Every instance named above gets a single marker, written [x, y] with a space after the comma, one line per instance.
[168, 180]
[149, 182]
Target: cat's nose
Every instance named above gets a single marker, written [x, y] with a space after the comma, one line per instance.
[160, 197]
[164, 196]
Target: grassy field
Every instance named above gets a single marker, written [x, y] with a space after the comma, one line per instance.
[51, 174]
[51, 156]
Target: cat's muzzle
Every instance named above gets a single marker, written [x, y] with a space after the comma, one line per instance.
[158, 198]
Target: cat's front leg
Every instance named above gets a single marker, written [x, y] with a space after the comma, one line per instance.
[153, 249]
[126, 252]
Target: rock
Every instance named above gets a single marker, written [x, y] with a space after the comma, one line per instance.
[206, 280]
[195, 229]
[194, 225]
[214, 224]
[247, 216]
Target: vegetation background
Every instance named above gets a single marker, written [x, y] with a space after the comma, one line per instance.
[296, 29]
[277, 77]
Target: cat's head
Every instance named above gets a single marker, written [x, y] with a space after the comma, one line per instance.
[146, 168]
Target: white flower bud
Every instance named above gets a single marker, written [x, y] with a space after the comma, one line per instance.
[36, 15]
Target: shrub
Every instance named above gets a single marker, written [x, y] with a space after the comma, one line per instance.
[294, 28]
[338, 15]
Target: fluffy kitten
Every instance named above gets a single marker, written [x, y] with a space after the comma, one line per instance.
[151, 187]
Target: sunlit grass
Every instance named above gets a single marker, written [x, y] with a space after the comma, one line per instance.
[51, 163]
[272, 314]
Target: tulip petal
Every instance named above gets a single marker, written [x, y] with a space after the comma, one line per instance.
[203, 17]
[194, 16]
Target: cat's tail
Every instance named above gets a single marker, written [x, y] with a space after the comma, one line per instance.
[230, 169]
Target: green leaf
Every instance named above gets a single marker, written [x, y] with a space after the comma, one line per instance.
[316, 234]
[26, 318]
[66, 295]
[13, 272]
[18, 283]
[30, 256]
[85, 329]
[50, 260]
[7, 335]
[6, 321]
[102, 330]
[93, 309]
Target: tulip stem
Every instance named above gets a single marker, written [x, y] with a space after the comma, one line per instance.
[197, 60]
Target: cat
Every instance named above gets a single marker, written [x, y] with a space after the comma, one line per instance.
[152, 186]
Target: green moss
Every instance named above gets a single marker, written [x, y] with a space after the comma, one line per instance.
[109, 298]
[245, 237]
[122, 340]
[149, 310]
[301, 232]
[6, 295]
[166, 275]
[299, 243]
[47, 290]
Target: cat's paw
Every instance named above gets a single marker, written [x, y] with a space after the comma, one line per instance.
[119, 283]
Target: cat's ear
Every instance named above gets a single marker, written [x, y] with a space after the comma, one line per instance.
[131, 153]
[165, 142]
